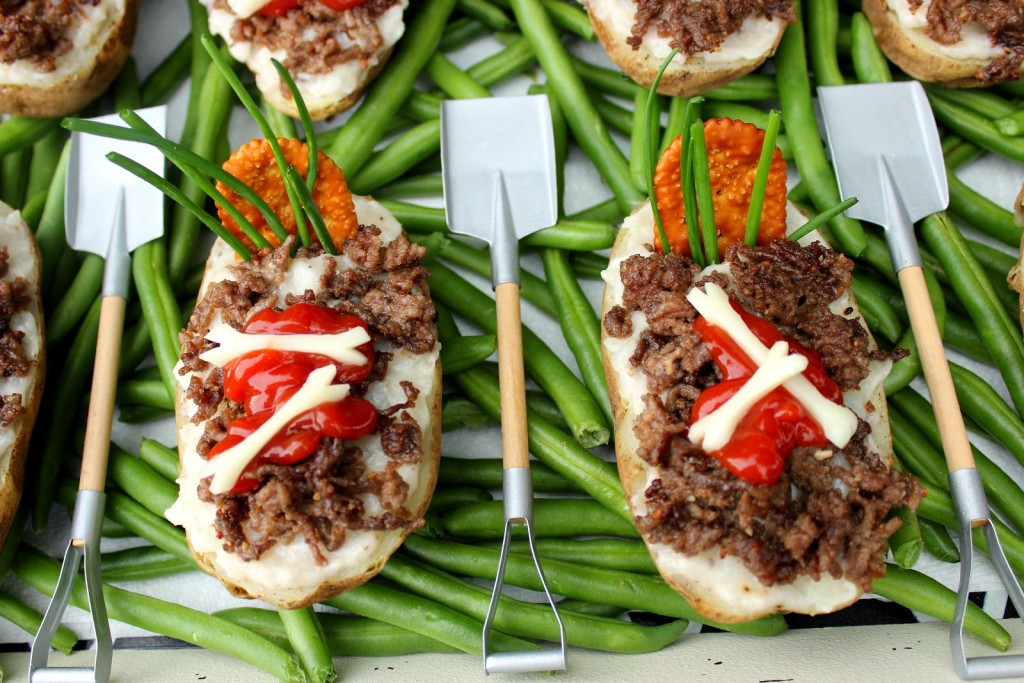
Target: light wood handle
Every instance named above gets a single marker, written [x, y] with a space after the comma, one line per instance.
[515, 451]
[101, 399]
[936, 370]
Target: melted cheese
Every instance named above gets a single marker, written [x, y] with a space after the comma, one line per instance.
[341, 346]
[713, 431]
[838, 422]
[246, 8]
[227, 467]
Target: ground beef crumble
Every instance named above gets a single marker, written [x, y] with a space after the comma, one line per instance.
[704, 25]
[321, 497]
[37, 30]
[1002, 21]
[14, 297]
[802, 524]
[315, 37]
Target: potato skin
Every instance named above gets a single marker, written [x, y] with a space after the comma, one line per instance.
[12, 474]
[692, 78]
[633, 472]
[78, 88]
[1015, 277]
[925, 60]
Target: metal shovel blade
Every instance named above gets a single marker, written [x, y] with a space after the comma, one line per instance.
[886, 151]
[108, 212]
[498, 166]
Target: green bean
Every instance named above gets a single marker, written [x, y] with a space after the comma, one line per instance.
[167, 75]
[1011, 124]
[162, 459]
[619, 118]
[133, 516]
[490, 14]
[560, 134]
[485, 473]
[961, 154]
[14, 176]
[981, 403]
[573, 235]
[198, 69]
[963, 336]
[880, 316]
[27, 619]
[588, 265]
[307, 640]
[981, 212]
[167, 618]
[822, 17]
[607, 553]
[422, 616]
[346, 635]
[45, 157]
[581, 326]
[552, 518]
[590, 608]
[21, 132]
[542, 365]
[983, 102]
[150, 274]
[905, 543]
[567, 86]
[1002, 491]
[66, 496]
[355, 142]
[938, 542]
[1000, 334]
[136, 345]
[515, 58]
[633, 591]
[751, 87]
[59, 406]
[869, 63]
[606, 212]
[63, 320]
[532, 288]
[411, 186]
[141, 563]
[282, 124]
[465, 352]
[921, 593]
[566, 16]
[802, 129]
[134, 414]
[993, 260]
[126, 87]
[453, 80]
[459, 412]
[529, 620]
[461, 32]
[33, 210]
[456, 496]
[50, 233]
[974, 127]
[140, 481]
[144, 392]
[553, 446]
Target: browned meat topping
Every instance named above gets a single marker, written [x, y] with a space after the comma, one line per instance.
[701, 26]
[1002, 20]
[319, 498]
[14, 297]
[11, 409]
[696, 503]
[314, 36]
[37, 30]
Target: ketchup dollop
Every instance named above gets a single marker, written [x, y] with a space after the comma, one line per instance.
[777, 423]
[263, 380]
[277, 8]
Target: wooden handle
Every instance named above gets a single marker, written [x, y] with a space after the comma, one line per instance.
[515, 450]
[936, 370]
[101, 399]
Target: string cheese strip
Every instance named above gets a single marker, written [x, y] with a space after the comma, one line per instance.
[837, 421]
[341, 346]
[227, 466]
[714, 430]
[246, 8]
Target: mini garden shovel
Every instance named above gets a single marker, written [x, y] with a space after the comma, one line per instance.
[108, 212]
[498, 165]
[887, 153]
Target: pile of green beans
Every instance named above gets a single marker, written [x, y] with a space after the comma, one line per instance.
[426, 599]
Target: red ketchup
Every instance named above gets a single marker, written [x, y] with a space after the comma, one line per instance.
[277, 8]
[263, 380]
[777, 423]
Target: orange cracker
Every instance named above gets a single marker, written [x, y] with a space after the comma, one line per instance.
[253, 163]
[734, 148]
